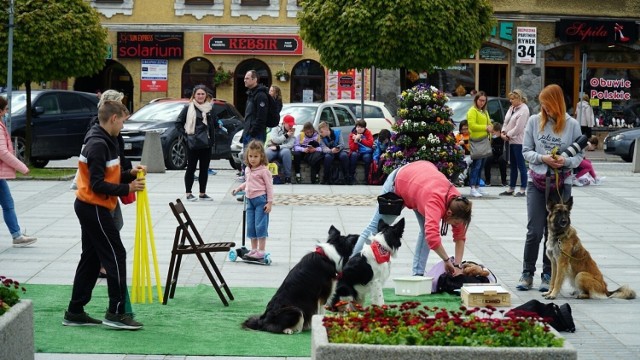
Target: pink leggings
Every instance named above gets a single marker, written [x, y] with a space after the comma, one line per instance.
[586, 167]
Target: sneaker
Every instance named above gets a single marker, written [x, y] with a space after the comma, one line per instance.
[121, 321]
[240, 179]
[71, 319]
[507, 193]
[475, 193]
[544, 284]
[287, 180]
[520, 194]
[526, 280]
[251, 253]
[205, 197]
[212, 172]
[298, 178]
[24, 240]
[258, 255]
[190, 197]
[482, 191]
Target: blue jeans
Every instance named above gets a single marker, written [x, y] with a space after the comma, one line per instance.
[476, 170]
[422, 249]
[372, 228]
[8, 209]
[257, 219]
[284, 155]
[353, 162]
[517, 166]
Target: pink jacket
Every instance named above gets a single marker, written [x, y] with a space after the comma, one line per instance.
[9, 163]
[427, 191]
[514, 123]
[259, 181]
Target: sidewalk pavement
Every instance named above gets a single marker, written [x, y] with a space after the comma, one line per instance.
[605, 216]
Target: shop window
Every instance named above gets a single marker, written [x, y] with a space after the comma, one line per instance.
[197, 71]
[308, 75]
[562, 53]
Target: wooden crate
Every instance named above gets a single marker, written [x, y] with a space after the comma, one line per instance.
[485, 294]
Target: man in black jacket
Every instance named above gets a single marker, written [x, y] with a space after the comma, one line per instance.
[255, 114]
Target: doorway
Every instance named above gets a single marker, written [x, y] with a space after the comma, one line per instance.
[493, 79]
[239, 90]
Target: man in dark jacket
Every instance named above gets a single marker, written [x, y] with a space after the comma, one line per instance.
[255, 114]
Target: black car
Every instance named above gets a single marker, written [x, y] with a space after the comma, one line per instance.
[160, 116]
[622, 142]
[59, 121]
[497, 108]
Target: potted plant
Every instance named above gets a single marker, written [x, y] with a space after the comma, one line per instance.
[16, 320]
[411, 331]
[222, 76]
[282, 75]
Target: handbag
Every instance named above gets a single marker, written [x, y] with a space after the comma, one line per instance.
[128, 199]
[480, 148]
[200, 139]
[390, 204]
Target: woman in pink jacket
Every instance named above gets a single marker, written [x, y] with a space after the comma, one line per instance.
[513, 132]
[436, 203]
[8, 166]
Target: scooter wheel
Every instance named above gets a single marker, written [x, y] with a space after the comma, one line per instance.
[232, 255]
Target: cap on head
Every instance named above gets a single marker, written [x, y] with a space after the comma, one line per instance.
[289, 120]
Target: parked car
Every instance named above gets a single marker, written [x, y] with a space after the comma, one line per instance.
[160, 116]
[59, 121]
[337, 116]
[497, 108]
[376, 114]
[622, 142]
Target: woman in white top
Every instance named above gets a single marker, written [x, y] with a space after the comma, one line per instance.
[584, 115]
[513, 132]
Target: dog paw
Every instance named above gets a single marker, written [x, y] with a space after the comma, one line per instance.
[549, 296]
[287, 331]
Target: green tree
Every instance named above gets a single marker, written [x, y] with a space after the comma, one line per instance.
[414, 34]
[53, 40]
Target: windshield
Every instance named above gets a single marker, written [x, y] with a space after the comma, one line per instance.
[460, 109]
[160, 111]
[302, 114]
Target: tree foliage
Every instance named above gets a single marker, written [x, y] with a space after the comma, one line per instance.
[52, 40]
[389, 34]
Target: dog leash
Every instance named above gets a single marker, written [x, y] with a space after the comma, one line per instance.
[564, 253]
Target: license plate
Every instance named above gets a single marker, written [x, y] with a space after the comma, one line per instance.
[604, 146]
[127, 146]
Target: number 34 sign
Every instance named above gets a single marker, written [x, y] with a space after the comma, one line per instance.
[526, 40]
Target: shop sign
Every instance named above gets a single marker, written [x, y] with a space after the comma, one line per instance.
[526, 45]
[492, 53]
[615, 89]
[344, 84]
[252, 44]
[150, 45]
[611, 32]
[153, 77]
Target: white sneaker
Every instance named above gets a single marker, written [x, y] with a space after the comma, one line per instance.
[24, 240]
[482, 191]
[475, 193]
[599, 180]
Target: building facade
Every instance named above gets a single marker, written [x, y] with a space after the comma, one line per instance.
[163, 48]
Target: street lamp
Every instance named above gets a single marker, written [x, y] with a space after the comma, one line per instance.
[10, 66]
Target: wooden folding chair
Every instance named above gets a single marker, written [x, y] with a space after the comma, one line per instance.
[188, 241]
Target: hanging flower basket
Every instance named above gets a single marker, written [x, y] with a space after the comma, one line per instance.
[222, 77]
[282, 75]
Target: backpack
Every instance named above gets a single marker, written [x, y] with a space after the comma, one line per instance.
[559, 317]
[273, 112]
[452, 284]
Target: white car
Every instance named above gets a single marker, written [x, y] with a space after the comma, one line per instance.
[376, 114]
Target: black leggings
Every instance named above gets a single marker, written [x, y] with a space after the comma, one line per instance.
[203, 157]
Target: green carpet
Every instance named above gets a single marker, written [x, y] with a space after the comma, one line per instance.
[193, 323]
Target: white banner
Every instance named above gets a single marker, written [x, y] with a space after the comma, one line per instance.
[526, 50]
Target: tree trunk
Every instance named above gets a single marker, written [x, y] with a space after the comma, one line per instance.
[27, 135]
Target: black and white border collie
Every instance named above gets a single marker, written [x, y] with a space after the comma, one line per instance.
[367, 271]
[307, 287]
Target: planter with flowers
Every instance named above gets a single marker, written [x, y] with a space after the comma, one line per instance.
[222, 76]
[282, 75]
[411, 331]
[16, 322]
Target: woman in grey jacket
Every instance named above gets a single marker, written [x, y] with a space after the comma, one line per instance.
[546, 137]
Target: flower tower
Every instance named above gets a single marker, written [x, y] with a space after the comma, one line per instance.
[424, 131]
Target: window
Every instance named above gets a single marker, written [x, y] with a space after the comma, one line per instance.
[254, 2]
[327, 117]
[344, 118]
[49, 104]
[198, 2]
[71, 103]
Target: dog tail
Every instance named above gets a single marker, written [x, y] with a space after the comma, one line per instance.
[253, 323]
[624, 292]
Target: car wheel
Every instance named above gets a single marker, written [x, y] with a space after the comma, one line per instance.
[39, 163]
[629, 157]
[20, 145]
[176, 155]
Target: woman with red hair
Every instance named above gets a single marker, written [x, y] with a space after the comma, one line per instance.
[546, 136]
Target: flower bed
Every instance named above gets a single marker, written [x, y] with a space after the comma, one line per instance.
[409, 332]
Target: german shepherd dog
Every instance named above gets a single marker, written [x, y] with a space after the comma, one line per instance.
[367, 271]
[570, 259]
[307, 287]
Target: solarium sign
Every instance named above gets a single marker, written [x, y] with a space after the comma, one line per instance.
[616, 89]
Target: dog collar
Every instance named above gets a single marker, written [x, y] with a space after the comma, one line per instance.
[381, 254]
[320, 251]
